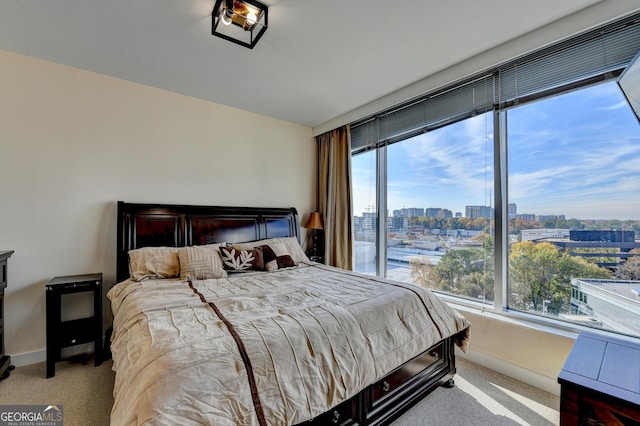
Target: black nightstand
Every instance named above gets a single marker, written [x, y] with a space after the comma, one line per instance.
[61, 334]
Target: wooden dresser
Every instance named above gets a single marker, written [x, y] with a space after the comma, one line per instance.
[5, 360]
[600, 382]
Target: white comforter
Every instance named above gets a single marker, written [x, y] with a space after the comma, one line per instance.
[312, 336]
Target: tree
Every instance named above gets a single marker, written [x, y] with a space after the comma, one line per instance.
[630, 269]
[479, 284]
[422, 273]
[598, 259]
[459, 272]
[540, 272]
[465, 272]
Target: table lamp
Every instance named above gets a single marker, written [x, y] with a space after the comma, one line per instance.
[314, 223]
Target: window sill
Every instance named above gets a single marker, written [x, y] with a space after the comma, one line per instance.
[536, 322]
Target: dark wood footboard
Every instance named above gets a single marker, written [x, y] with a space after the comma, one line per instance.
[385, 400]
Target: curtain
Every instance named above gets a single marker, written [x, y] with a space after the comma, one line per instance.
[334, 196]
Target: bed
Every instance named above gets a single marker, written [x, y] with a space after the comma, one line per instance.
[272, 338]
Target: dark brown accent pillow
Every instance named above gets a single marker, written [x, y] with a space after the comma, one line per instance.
[238, 260]
[276, 257]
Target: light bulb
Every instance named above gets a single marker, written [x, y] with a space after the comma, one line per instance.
[225, 16]
[251, 18]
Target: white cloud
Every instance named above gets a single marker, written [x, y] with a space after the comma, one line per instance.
[580, 163]
[621, 104]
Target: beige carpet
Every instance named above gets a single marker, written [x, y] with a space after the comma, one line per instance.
[84, 391]
[480, 397]
[483, 397]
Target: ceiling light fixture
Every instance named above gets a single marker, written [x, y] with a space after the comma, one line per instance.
[244, 21]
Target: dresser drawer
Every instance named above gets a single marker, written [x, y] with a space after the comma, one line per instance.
[407, 375]
[341, 415]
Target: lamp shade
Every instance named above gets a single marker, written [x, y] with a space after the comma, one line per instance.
[315, 221]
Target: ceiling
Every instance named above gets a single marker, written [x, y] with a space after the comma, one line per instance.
[318, 60]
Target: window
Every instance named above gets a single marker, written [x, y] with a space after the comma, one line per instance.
[518, 188]
[363, 169]
[574, 230]
[440, 212]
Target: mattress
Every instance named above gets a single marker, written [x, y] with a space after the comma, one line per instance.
[258, 348]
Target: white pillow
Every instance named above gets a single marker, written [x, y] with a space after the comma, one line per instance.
[294, 249]
[201, 262]
[154, 262]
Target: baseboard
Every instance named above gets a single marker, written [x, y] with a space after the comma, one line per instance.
[529, 377]
[28, 358]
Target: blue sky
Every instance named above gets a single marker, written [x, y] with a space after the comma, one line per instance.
[577, 154]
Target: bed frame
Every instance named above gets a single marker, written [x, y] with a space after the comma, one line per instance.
[152, 225]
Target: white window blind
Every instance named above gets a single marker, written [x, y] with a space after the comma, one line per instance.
[597, 55]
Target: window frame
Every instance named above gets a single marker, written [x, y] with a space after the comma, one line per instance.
[500, 106]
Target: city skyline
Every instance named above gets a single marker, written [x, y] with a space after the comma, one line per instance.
[452, 167]
[441, 212]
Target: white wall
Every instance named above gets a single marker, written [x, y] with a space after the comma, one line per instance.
[533, 354]
[592, 16]
[74, 142]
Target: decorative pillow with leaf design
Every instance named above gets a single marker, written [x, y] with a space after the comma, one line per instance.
[237, 260]
[276, 256]
[291, 243]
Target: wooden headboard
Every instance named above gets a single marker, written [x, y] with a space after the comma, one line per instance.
[169, 225]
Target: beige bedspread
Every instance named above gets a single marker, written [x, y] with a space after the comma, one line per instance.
[306, 339]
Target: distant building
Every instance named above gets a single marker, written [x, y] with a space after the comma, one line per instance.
[399, 223]
[357, 222]
[613, 304]
[474, 212]
[527, 217]
[438, 212]
[432, 211]
[623, 241]
[513, 210]
[543, 233]
[444, 213]
[369, 220]
[608, 236]
[410, 212]
[415, 212]
[543, 217]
